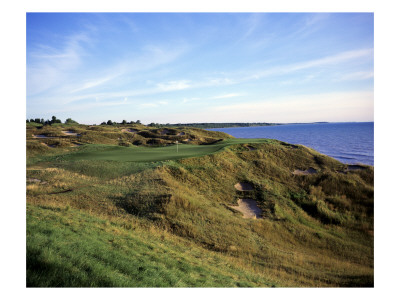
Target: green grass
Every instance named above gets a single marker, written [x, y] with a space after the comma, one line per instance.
[99, 206]
[67, 248]
[151, 154]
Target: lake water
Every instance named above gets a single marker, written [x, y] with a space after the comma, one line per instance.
[349, 143]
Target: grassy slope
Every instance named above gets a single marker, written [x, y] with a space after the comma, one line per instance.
[317, 230]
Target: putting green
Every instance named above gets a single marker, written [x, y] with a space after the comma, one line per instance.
[147, 154]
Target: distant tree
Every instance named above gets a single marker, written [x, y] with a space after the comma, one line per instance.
[123, 122]
[138, 122]
[109, 122]
[152, 124]
[70, 121]
[37, 120]
[103, 123]
[42, 121]
[27, 121]
[32, 120]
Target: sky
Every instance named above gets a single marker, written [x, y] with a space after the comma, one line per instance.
[200, 67]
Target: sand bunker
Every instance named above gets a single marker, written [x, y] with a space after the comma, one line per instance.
[76, 145]
[244, 186]
[309, 171]
[165, 131]
[355, 167]
[187, 140]
[41, 136]
[34, 180]
[129, 130]
[51, 146]
[70, 133]
[249, 208]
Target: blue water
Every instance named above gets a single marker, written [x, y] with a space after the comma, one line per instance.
[347, 142]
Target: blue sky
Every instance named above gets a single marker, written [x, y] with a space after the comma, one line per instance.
[200, 67]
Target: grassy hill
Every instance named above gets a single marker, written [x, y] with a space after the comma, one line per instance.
[125, 209]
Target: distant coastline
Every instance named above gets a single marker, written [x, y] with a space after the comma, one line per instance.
[227, 125]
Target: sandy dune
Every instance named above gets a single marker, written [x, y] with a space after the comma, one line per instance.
[249, 208]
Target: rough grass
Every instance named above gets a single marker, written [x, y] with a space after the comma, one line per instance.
[317, 230]
[68, 248]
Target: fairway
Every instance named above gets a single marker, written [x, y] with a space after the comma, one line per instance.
[147, 154]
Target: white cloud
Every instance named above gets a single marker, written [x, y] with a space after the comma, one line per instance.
[48, 67]
[231, 95]
[317, 63]
[362, 75]
[148, 105]
[94, 83]
[173, 85]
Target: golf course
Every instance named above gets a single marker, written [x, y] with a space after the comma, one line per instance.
[142, 206]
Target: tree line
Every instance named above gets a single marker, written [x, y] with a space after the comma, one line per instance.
[53, 120]
[124, 122]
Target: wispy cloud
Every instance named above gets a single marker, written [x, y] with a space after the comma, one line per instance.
[48, 67]
[317, 63]
[362, 75]
[173, 85]
[231, 95]
[147, 105]
[94, 83]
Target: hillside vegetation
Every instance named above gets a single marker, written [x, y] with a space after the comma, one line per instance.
[118, 206]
